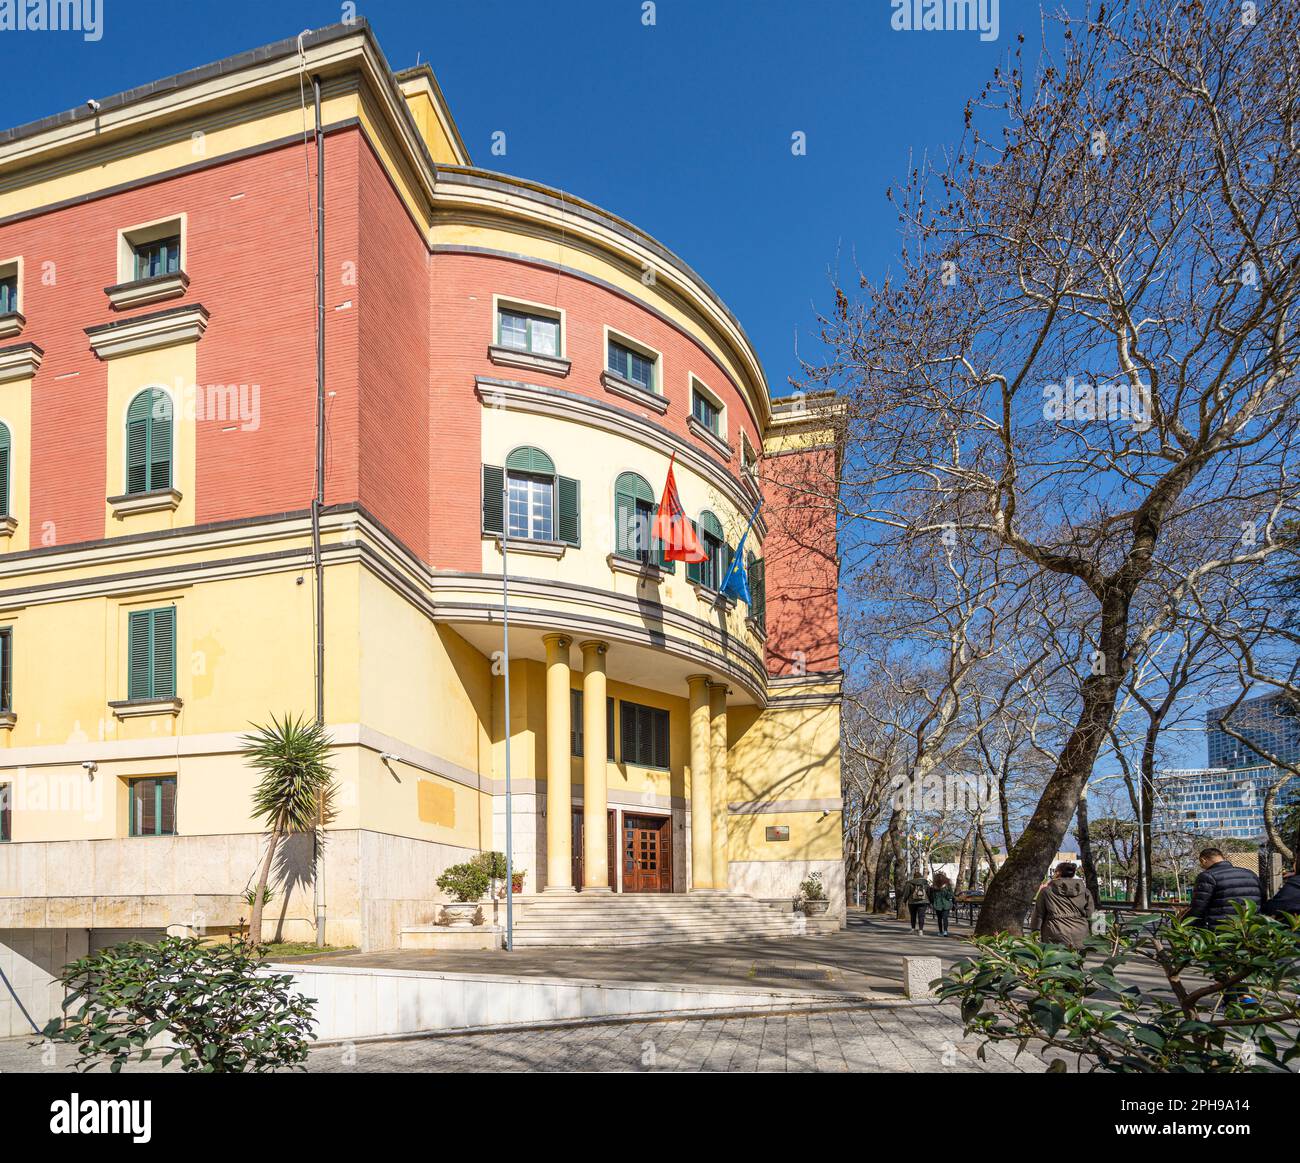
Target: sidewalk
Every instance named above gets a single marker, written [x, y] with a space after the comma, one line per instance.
[866, 958]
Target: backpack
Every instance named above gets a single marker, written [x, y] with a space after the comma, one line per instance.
[918, 894]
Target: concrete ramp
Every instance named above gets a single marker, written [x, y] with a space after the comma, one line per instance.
[371, 1003]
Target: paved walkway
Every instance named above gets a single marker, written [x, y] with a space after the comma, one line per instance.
[864, 958]
[892, 1039]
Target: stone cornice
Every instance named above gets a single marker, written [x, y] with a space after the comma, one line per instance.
[19, 362]
[147, 332]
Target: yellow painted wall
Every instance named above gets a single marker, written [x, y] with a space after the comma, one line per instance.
[16, 412]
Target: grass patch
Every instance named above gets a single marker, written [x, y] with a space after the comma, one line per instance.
[302, 949]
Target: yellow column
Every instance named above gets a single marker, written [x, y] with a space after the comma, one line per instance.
[595, 853]
[559, 781]
[718, 782]
[701, 795]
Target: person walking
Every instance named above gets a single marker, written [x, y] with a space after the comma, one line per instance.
[1286, 902]
[1063, 908]
[917, 894]
[941, 899]
[1220, 885]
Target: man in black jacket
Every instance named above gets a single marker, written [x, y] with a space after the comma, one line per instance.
[1220, 885]
[1287, 899]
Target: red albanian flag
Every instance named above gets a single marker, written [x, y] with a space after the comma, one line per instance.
[671, 527]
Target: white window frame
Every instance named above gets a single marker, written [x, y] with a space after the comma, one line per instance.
[143, 233]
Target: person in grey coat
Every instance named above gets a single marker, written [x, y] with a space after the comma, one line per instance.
[1063, 909]
[1220, 885]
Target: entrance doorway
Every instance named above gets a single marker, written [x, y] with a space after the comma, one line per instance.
[647, 854]
[611, 837]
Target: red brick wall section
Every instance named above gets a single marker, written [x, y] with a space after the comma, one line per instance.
[801, 563]
[251, 257]
[462, 327]
[393, 274]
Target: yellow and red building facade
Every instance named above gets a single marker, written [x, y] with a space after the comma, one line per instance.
[507, 368]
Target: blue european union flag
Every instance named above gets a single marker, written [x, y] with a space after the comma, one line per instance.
[736, 583]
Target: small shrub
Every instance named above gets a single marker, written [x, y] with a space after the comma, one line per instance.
[812, 889]
[1229, 1004]
[464, 882]
[492, 863]
[220, 1015]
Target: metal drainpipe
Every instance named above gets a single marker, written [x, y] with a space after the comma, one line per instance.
[318, 502]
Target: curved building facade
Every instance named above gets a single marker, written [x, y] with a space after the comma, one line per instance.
[508, 373]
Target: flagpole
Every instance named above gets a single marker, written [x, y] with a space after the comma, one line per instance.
[505, 650]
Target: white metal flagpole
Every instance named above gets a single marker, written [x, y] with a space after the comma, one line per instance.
[505, 650]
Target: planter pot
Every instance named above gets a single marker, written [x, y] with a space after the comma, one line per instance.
[814, 908]
[460, 915]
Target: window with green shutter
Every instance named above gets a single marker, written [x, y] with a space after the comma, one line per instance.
[9, 295]
[6, 458]
[644, 732]
[575, 725]
[529, 501]
[149, 442]
[524, 331]
[153, 806]
[754, 567]
[710, 573]
[6, 669]
[151, 654]
[631, 365]
[160, 257]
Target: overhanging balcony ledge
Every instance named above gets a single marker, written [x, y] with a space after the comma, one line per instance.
[139, 292]
[156, 501]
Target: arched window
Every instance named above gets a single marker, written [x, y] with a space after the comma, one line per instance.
[6, 443]
[149, 442]
[711, 572]
[540, 505]
[634, 511]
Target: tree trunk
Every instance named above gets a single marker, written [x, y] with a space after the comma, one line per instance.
[1270, 822]
[901, 872]
[1012, 889]
[1085, 849]
[255, 919]
[1146, 823]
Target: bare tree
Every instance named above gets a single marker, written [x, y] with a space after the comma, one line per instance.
[1089, 341]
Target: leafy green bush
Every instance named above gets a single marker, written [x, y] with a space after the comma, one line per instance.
[493, 864]
[812, 889]
[1226, 1002]
[208, 1001]
[464, 882]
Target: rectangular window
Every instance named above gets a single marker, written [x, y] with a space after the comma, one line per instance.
[151, 654]
[644, 733]
[6, 669]
[153, 806]
[539, 334]
[532, 507]
[706, 411]
[632, 366]
[8, 294]
[159, 257]
[575, 725]
[6, 812]
[714, 569]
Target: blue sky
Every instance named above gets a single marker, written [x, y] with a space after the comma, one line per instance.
[684, 128]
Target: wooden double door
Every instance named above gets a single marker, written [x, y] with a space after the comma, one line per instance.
[644, 845]
[647, 852]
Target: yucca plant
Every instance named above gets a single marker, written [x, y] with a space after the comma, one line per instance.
[294, 793]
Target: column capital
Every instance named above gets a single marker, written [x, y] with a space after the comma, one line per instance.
[698, 680]
[594, 645]
[714, 685]
[563, 641]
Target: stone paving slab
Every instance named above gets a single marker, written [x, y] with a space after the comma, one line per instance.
[891, 1039]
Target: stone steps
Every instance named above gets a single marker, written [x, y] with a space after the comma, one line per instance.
[594, 920]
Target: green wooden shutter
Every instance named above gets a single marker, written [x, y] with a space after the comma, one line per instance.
[137, 456]
[4, 469]
[624, 516]
[609, 729]
[575, 722]
[164, 653]
[160, 442]
[494, 483]
[531, 460]
[757, 600]
[139, 669]
[568, 525]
